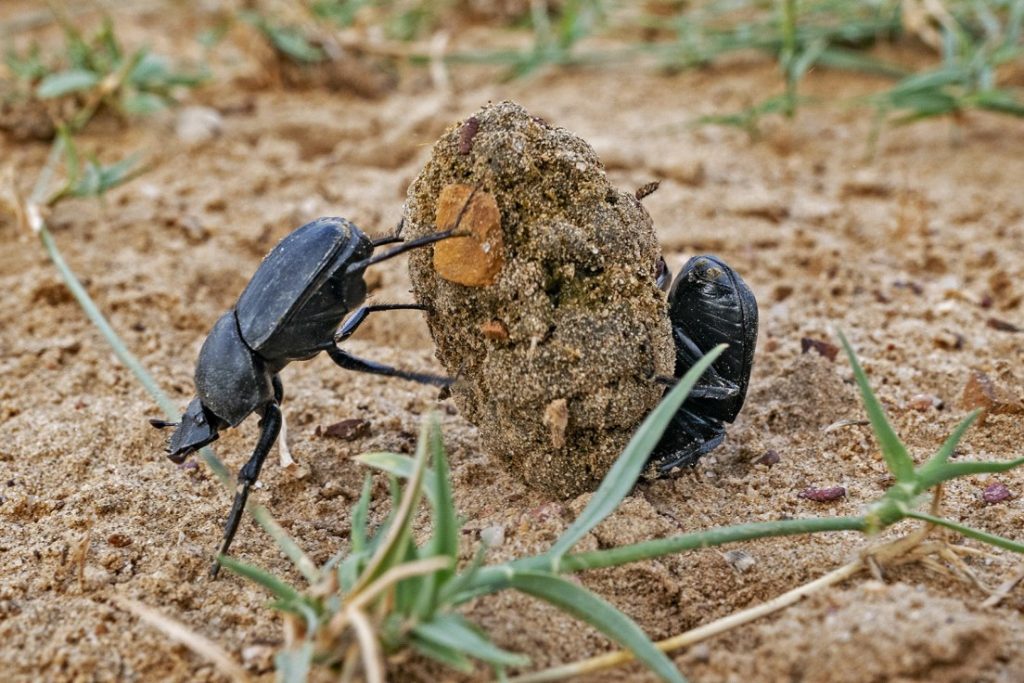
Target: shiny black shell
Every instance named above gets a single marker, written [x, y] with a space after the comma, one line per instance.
[300, 293]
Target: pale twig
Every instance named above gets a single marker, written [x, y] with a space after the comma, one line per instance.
[700, 633]
[392, 576]
[373, 661]
[1004, 589]
[174, 629]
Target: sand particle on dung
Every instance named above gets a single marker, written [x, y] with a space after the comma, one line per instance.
[547, 312]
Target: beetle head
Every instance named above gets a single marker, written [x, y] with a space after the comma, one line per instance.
[197, 428]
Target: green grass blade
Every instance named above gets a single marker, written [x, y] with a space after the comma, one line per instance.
[66, 82]
[895, 453]
[586, 606]
[390, 543]
[453, 631]
[294, 666]
[359, 516]
[976, 534]
[445, 539]
[943, 455]
[620, 479]
[448, 656]
[286, 543]
[446, 523]
[281, 590]
[453, 588]
[401, 466]
[954, 470]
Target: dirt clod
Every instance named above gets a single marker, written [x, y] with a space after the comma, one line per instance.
[821, 347]
[982, 392]
[585, 321]
[823, 495]
[348, 430]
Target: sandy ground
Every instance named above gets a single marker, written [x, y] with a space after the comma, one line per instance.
[912, 253]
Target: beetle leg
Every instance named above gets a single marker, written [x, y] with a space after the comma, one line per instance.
[727, 390]
[350, 362]
[275, 381]
[690, 436]
[356, 319]
[270, 426]
[396, 236]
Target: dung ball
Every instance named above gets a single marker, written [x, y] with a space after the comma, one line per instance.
[546, 308]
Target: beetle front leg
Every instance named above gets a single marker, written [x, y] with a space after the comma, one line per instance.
[349, 362]
[270, 426]
[356, 319]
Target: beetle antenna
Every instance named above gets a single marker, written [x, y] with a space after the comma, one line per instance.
[406, 246]
[161, 424]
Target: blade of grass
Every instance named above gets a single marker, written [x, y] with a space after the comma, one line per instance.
[977, 534]
[620, 479]
[276, 586]
[949, 446]
[954, 470]
[895, 453]
[393, 544]
[360, 513]
[401, 466]
[294, 665]
[286, 543]
[586, 606]
[444, 542]
[445, 655]
[453, 631]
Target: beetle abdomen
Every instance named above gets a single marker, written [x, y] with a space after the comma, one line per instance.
[710, 304]
[231, 380]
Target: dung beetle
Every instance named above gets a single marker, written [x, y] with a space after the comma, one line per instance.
[290, 311]
[708, 304]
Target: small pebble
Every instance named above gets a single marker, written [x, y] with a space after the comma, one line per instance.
[348, 430]
[996, 493]
[981, 392]
[647, 189]
[770, 458]
[197, 125]
[1004, 325]
[556, 418]
[923, 402]
[119, 540]
[823, 348]
[741, 561]
[495, 330]
[493, 536]
[823, 495]
[467, 133]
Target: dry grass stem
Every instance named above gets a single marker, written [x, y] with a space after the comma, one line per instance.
[174, 629]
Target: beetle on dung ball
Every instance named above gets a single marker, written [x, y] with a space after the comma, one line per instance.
[291, 310]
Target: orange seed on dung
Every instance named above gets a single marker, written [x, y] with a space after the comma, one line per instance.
[475, 259]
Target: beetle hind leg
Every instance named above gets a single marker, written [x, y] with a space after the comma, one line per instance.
[687, 437]
[270, 426]
[349, 362]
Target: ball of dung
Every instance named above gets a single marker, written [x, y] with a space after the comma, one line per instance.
[546, 309]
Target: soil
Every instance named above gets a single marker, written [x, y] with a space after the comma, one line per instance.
[917, 253]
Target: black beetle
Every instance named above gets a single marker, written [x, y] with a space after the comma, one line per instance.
[708, 304]
[289, 311]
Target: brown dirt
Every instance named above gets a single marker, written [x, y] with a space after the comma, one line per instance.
[911, 253]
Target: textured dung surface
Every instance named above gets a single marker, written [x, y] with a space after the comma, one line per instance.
[558, 396]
